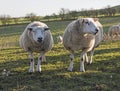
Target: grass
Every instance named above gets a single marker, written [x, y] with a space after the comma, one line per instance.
[102, 75]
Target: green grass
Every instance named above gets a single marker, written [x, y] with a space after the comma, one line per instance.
[102, 75]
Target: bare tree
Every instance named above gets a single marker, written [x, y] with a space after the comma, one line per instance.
[32, 17]
[5, 19]
[55, 16]
[64, 13]
[110, 11]
[74, 14]
[47, 17]
[16, 20]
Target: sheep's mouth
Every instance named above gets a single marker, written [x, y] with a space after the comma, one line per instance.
[39, 41]
[96, 33]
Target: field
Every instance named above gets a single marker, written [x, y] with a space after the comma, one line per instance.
[102, 75]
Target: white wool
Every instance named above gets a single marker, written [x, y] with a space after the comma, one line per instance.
[114, 31]
[27, 42]
[42, 45]
[80, 34]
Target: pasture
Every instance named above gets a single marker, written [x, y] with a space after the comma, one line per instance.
[102, 75]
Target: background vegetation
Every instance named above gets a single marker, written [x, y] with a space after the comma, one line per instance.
[63, 14]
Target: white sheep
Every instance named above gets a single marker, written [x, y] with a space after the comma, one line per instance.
[36, 38]
[81, 34]
[114, 31]
[59, 39]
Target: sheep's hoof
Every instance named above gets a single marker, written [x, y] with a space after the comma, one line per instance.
[44, 62]
[70, 69]
[82, 70]
[39, 72]
[89, 63]
[31, 71]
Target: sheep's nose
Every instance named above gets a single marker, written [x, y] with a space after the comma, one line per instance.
[40, 39]
[96, 30]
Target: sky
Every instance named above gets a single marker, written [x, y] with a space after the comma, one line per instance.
[20, 8]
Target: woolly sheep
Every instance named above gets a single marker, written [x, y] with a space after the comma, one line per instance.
[59, 39]
[81, 34]
[36, 38]
[114, 31]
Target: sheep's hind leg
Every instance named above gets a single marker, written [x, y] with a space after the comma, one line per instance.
[82, 69]
[70, 68]
[38, 68]
[86, 57]
[31, 62]
[91, 56]
[43, 59]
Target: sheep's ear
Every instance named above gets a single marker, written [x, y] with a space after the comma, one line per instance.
[82, 20]
[78, 24]
[95, 19]
[30, 29]
[47, 28]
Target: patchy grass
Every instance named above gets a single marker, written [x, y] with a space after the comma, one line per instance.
[102, 75]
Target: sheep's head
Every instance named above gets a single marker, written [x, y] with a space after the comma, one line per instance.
[37, 33]
[88, 25]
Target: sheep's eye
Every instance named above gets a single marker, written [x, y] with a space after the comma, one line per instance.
[87, 23]
[33, 31]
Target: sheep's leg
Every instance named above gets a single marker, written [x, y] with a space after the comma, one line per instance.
[86, 57]
[38, 68]
[91, 56]
[82, 62]
[71, 62]
[31, 62]
[44, 59]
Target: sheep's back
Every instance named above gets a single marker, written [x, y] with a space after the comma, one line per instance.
[72, 40]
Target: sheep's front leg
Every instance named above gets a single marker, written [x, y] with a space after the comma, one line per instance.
[70, 68]
[38, 68]
[82, 62]
[31, 62]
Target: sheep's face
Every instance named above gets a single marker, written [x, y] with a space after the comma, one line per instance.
[89, 25]
[38, 33]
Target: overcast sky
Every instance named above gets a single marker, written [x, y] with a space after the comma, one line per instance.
[17, 8]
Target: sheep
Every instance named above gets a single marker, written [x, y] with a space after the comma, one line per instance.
[81, 34]
[114, 32]
[36, 38]
[59, 39]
